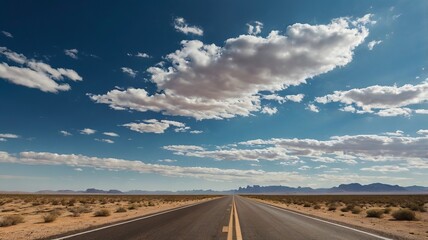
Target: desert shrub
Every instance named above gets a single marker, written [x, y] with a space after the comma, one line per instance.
[356, 210]
[332, 207]
[387, 210]
[375, 213]
[317, 206]
[404, 215]
[102, 213]
[76, 211]
[344, 209]
[120, 209]
[51, 216]
[151, 204]
[307, 205]
[133, 206]
[11, 220]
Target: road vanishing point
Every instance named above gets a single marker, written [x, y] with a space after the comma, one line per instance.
[225, 218]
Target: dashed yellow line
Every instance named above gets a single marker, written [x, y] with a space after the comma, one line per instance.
[230, 227]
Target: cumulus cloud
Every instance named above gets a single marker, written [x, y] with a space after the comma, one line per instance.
[156, 126]
[111, 134]
[130, 72]
[269, 110]
[196, 132]
[72, 53]
[65, 133]
[181, 26]
[5, 136]
[385, 168]
[104, 140]
[214, 174]
[422, 132]
[7, 34]
[167, 160]
[294, 98]
[311, 107]
[35, 74]
[87, 131]
[254, 28]
[385, 101]
[139, 54]
[205, 81]
[347, 149]
[373, 43]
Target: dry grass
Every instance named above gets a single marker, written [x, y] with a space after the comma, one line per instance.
[102, 213]
[51, 216]
[11, 220]
[404, 215]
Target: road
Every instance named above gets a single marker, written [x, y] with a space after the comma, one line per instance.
[226, 218]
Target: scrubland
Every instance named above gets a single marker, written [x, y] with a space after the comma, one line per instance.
[398, 216]
[30, 216]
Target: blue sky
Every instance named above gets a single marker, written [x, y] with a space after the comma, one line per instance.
[212, 95]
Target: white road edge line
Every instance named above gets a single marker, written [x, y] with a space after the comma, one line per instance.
[324, 221]
[130, 221]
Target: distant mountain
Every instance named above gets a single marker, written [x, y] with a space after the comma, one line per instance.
[342, 188]
[352, 188]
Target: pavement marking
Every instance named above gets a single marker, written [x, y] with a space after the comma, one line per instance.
[130, 221]
[324, 221]
[230, 227]
[237, 226]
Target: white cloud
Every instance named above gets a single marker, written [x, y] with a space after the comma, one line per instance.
[384, 101]
[396, 133]
[5, 136]
[196, 132]
[87, 131]
[139, 54]
[304, 168]
[373, 43]
[205, 81]
[114, 164]
[232, 154]
[269, 110]
[111, 134]
[35, 74]
[421, 111]
[320, 167]
[349, 149]
[65, 133]
[7, 34]
[422, 132]
[132, 73]
[156, 126]
[255, 28]
[294, 98]
[385, 168]
[167, 160]
[72, 53]
[311, 107]
[181, 26]
[104, 140]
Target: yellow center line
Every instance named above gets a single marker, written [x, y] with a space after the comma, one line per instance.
[237, 226]
[230, 228]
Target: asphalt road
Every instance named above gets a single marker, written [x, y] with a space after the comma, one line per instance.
[262, 221]
[209, 220]
[202, 221]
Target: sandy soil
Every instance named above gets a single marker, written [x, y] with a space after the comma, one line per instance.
[34, 226]
[386, 224]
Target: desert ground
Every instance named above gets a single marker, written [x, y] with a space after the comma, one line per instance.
[43, 216]
[398, 216]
